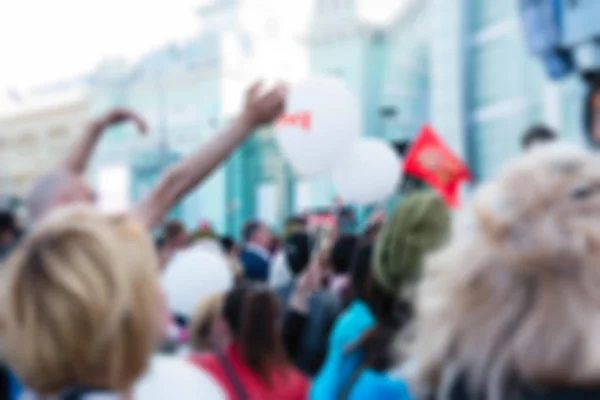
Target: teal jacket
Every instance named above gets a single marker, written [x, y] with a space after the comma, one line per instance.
[339, 366]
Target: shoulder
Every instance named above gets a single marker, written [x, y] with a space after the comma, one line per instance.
[298, 378]
[352, 323]
[207, 361]
[381, 386]
[294, 384]
[171, 377]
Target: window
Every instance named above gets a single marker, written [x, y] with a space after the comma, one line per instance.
[489, 12]
[497, 141]
[497, 71]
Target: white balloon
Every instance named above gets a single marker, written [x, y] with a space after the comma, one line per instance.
[370, 172]
[174, 378]
[321, 122]
[192, 275]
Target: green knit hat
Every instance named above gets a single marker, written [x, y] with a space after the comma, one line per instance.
[420, 224]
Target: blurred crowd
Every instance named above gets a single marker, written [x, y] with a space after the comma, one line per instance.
[497, 300]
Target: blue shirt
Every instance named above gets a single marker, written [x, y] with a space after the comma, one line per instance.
[255, 263]
[338, 367]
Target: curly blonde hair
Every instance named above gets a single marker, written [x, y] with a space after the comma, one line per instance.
[81, 302]
[514, 297]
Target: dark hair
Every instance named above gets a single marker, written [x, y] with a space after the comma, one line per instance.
[8, 222]
[343, 252]
[392, 314]
[172, 229]
[159, 243]
[371, 232]
[360, 270]
[252, 313]
[228, 243]
[250, 229]
[297, 248]
[589, 114]
[537, 134]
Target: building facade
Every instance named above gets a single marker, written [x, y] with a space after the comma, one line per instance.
[35, 136]
[461, 65]
[187, 93]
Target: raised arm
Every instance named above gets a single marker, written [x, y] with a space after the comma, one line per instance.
[178, 180]
[78, 157]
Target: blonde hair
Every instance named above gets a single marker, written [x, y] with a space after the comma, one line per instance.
[206, 314]
[514, 296]
[81, 302]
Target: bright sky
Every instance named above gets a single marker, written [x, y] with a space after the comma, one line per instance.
[43, 41]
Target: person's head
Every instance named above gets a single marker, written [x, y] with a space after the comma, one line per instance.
[175, 235]
[298, 248]
[8, 227]
[82, 302]
[513, 298]
[419, 225]
[294, 224]
[256, 232]
[207, 328]
[342, 253]
[252, 314]
[537, 135]
[230, 246]
[56, 189]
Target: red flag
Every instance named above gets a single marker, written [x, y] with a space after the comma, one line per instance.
[431, 160]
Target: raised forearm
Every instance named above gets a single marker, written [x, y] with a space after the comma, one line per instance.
[79, 155]
[77, 159]
[189, 172]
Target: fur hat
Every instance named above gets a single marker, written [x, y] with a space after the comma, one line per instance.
[420, 224]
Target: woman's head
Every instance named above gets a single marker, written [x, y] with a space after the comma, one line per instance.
[81, 302]
[342, 253]
[298, 248]
[252, 313]
[515, 293]
[420, 224]
[206, 332]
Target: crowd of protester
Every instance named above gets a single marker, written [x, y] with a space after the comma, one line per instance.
[497, 301]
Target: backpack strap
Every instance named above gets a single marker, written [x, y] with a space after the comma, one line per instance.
[344, 392]
[233, 377]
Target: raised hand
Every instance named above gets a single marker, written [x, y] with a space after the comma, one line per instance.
[264, 108]
[308, 283]
[77, 158]
[118, 116]
[376, 217]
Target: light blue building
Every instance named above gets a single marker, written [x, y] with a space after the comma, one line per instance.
[185, 93]
[461, 65]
